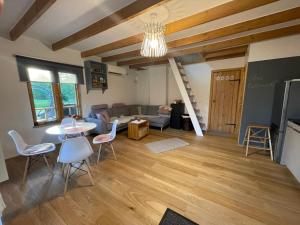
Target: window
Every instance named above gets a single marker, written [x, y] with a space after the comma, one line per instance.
[52, 101]
[42, 95]
[69, 93]
[53, 88]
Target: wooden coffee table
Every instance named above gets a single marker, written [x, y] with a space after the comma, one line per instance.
[138, 129]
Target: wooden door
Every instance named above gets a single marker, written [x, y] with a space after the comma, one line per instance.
[224, 101]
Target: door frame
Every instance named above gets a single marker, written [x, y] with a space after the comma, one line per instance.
[240, 100]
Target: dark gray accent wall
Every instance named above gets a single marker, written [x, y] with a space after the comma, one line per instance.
[262, 78]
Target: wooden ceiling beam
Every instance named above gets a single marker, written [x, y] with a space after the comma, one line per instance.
[260, 22]
[225, 52]
[215, 58]
[134, 53]
[209, 56]
[38, 8]
[245, 40]
[128, 12]
[218, 12]
[141, 61]
[138, 66]
[230, 56]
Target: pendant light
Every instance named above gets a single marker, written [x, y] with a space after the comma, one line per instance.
[154, 43]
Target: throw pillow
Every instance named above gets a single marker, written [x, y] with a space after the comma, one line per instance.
[99, 116]
[105, 116]
[164, 110]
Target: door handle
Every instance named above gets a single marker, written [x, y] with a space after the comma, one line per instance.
[230, 124]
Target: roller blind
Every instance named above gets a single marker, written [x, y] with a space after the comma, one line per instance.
[67, 78]
[27, 65]
[38, 75]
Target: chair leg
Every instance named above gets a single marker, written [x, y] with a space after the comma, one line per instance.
[46, 161]
[67, 178]
[99, 153]
[270, 145]
[63, 167]
[245, 136]
[89, 172]
[112, 148]
[248, 139]
[26, 169]
[161, 129]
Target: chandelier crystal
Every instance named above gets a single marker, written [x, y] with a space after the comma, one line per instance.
[154, 43]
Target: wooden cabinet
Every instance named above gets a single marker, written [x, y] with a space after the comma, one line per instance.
[95, 75]
[138, 129]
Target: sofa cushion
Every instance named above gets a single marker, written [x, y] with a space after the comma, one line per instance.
[105, 115]
[159, 121]
[96, 109]
[164, 110]
[120, 109]
[122, 119]
[144, 110]
[133, 109]
[153, 110]
[117, 105]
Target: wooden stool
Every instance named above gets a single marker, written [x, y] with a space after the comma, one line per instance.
[259, 137]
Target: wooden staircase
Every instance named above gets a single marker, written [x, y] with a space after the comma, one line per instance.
[187, 95]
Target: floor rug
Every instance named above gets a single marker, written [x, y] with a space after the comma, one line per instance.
[166, 145]
[173, 218]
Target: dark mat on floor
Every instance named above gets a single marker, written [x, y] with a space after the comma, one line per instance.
[173, 218]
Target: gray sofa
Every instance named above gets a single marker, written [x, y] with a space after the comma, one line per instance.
[126, 113]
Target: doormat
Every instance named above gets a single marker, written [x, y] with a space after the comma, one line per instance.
[173, 218]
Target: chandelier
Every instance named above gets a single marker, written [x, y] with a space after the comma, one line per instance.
[154, 43]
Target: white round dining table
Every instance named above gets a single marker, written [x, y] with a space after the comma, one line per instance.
[80, 127]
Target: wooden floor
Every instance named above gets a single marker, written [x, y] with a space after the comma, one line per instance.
[210, 182]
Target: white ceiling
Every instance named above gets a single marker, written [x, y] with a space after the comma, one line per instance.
[12, 11]
[65, 17]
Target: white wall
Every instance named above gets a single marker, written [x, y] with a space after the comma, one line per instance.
[156, 86]
[15, 111]
[173, 90]
[275, 48]
[121, 89]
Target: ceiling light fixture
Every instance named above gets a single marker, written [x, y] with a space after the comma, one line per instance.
[154, 43]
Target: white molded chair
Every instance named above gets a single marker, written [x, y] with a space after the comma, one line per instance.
[67, 122]
[31, 151]
[106, 138]
[73, 151]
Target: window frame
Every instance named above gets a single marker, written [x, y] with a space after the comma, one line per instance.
[60, 101]
[24, 62]
[58, 104]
